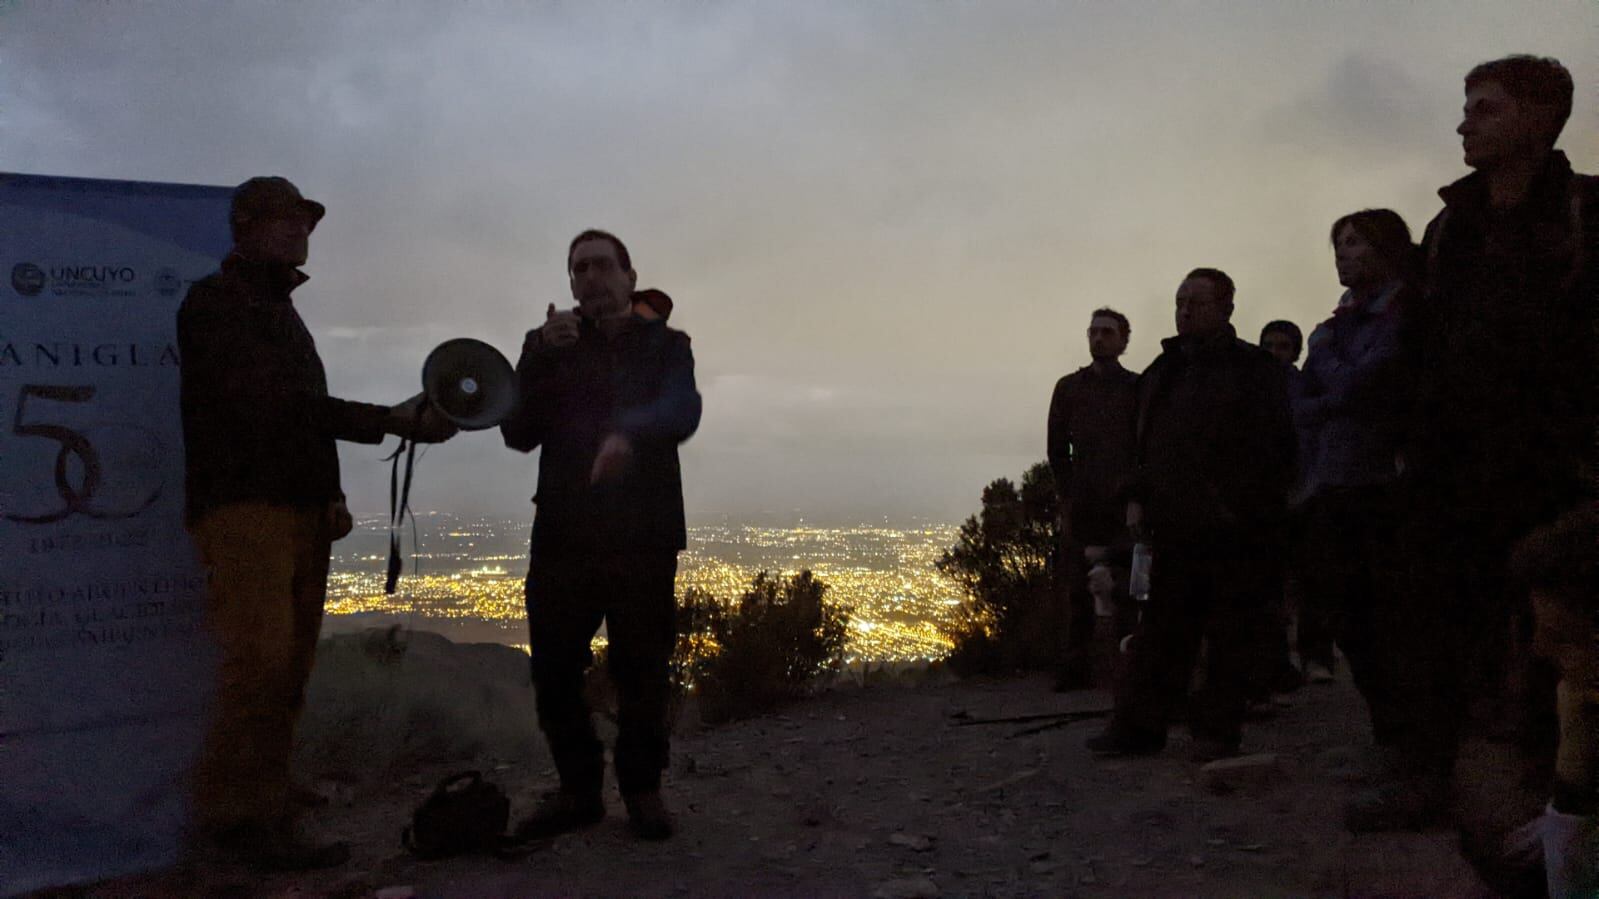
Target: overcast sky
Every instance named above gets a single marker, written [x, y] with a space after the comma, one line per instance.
[884, 223]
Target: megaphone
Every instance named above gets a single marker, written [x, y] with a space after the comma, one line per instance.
[470, 382]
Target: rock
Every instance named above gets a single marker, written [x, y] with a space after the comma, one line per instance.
[396, 893]
[1242, 772]
[907, 888]
[1018, 777]
[913, 841]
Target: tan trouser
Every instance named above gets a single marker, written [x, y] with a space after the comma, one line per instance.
[268, 568]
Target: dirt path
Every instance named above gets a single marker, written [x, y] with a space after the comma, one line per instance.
[877, 792]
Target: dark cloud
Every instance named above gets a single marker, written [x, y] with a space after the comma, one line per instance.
[1365, 104]
[885, 223]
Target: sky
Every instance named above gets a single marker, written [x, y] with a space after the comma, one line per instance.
[885, 224]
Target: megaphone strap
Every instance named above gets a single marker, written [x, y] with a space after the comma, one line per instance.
[399, 507]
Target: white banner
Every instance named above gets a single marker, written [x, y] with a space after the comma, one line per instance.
[104, 671]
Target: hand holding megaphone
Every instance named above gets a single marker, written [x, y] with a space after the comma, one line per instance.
[419, 421]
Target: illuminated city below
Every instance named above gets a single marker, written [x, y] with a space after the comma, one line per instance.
[467, 573]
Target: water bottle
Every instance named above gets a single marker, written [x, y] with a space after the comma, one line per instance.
[1138, 582]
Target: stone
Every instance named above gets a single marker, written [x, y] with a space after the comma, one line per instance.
[907, 888]
[1240, 773]
[913, 841]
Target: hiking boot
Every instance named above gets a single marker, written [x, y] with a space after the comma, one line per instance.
[1411, 804]
[1209, 749]
[1072, 679]
[647, 816]
[305, 797]
[560, 812]
[276, 847]
[1317, 673]
[1124, 742]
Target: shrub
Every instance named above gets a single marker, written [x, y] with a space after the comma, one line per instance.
[1004, 561]
[770, 646]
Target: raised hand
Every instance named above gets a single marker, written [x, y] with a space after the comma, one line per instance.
[559, 328]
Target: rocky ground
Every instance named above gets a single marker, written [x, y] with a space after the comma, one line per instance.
[897, 791]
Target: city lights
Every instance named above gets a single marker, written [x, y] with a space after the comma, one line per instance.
[463, 568]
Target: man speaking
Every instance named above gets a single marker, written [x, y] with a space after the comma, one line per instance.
[608, 395]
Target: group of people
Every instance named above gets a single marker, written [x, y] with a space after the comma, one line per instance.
[606, 392]
[1444, 414]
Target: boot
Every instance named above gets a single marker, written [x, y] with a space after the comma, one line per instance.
[1412, 804]
[1119, 741]
[1210, 749]
[560, 812]
[647, 816]
[1072, 678]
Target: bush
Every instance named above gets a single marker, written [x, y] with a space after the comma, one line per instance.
[1004, 561]
[769, 647]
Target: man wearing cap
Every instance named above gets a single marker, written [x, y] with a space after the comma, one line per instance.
[264, 505]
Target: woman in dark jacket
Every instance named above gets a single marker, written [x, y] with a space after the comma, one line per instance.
[1350, 410]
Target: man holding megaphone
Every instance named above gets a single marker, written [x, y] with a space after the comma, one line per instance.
[607, 394]
[264, 505]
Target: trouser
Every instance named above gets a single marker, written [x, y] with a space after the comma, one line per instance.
[1350, 563]
[567, 598]
[1471, 625]
[1316, 617]
[1197, 593]
[1079, 658]
[1276, 659]
[268, 575]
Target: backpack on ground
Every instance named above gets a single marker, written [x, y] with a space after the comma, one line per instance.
[465, 813]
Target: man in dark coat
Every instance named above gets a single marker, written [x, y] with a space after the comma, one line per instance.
[1090, 441]
[1502, 434]
[1215, 456]
[264, 505]
[607, 396]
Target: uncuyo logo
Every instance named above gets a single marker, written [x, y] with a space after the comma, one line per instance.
[167, 282]
[27, 279]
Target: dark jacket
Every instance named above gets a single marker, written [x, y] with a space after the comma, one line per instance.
[640, 383]
[1504, 344]
[1091, 449]
[1352, 395]
[258, 424]
[1215, 444]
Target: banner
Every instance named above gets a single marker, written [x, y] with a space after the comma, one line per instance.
[104, 670]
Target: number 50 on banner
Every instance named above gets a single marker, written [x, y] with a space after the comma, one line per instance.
[52, 469]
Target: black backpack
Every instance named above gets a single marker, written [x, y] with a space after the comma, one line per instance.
[465, 813]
